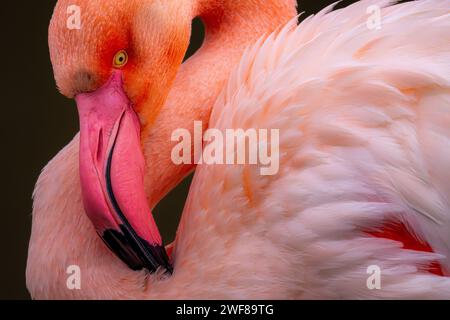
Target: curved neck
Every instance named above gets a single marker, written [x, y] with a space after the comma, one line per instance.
[248, 16]
[231, 26]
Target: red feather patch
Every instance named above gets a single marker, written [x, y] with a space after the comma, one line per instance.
[397, 231]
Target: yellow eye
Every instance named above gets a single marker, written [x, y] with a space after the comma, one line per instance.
[120, 59]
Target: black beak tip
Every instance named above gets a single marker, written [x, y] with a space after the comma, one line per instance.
[160, 255]
[137, 256]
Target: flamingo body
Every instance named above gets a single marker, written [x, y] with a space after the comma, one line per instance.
[364, 125]
[364, 140]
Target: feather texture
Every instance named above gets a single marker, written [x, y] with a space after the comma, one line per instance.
[364, 119]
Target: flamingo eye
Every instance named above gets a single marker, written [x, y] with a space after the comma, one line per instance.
[120, 59]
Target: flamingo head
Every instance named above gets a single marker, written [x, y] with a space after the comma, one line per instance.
[117, 59]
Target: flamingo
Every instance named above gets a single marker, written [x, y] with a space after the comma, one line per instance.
[364, 144]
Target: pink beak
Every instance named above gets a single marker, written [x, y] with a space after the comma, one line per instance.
[112, 170]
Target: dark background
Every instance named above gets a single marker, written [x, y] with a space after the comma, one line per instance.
[36, 122]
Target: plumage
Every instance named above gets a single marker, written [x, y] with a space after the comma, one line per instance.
[364, 124]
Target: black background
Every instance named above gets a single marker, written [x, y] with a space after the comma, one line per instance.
[36, 122]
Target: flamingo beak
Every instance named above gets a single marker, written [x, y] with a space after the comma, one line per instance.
[112, 170]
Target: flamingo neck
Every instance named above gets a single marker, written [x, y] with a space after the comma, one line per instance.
[225, 16]
[231, 26]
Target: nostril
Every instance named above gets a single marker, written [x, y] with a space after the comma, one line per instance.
[100, 146]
